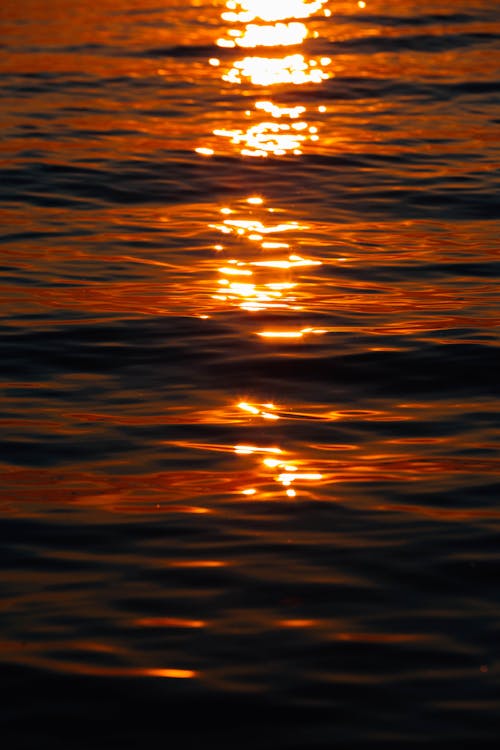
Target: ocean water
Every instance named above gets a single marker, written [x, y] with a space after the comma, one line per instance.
[249, 447]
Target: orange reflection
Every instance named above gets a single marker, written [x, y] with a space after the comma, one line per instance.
[246, 11]
[258, 411]
[250, 450]
[285, 470]
[266, 467]
[280, 34]
[30, 656]
[273, 461]
[270, 71]
[260, 283]
[264, 139]
[289, 334]
[177, 674]
[197, 564]
[168, 622]
[254, 25]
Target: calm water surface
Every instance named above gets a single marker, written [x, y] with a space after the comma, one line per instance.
[249, 373]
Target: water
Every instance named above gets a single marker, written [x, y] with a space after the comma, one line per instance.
[250, 356]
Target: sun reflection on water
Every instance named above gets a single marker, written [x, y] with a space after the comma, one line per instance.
[269, 472]
[254, 281]
[271, 71]
[285, 469]
[280, 34]
[246, 11]
[274, 129]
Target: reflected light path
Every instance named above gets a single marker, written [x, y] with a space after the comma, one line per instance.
[270, 71]
[255, 282]
[274, 129]
[269, 471]
[284, 471]
[266, 36]
[270, 465]
[246, 11]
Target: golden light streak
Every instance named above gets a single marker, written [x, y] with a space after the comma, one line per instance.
[246, 11]
[179, 674]
[281, 334]
[254, 226]
[248, 407]
[289, 473]
[225, 43]
[281, 286]
[265, 139]
[276, 111]
[235, 271]
[198, 564]
[272, 463]
[289, 477]
[237, 285]
[294, 261]
[271, 71]
[255, 35]
[290, 334]
[168, 622]
[252, 300]
[296, 623]
[79, 668]
[269, 25]
[249, 450]
[274, 245]
[196, 510]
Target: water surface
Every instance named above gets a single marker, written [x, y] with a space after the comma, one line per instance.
[250, 355]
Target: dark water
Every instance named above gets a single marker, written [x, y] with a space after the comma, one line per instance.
[250, 359]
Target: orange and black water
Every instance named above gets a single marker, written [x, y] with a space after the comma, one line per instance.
[249, 445]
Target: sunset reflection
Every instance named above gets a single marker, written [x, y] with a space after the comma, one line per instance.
[289, 471]
[265, 470]
[278, 466]
[267, 36]
[168, 622]
[255, 282]
[270, 71]
[275, 31]
[250, 363]
[290, 334]
[246, 11]
[268, 137]
[266, 411]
